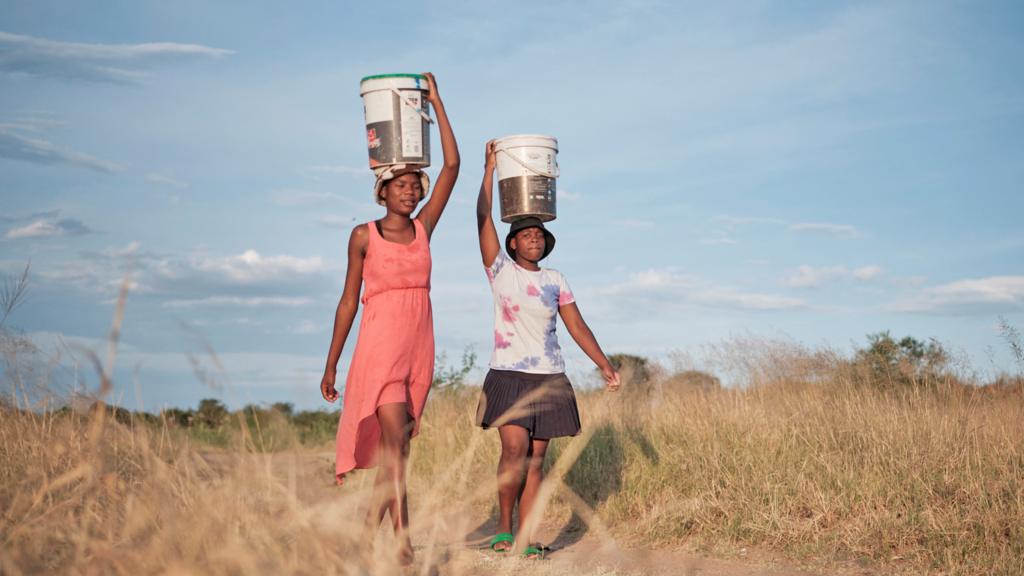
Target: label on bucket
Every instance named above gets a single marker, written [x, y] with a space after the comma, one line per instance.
[396, 132]
[412, 124]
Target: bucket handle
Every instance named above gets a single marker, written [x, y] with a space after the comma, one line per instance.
[409, 103]
[530, 168]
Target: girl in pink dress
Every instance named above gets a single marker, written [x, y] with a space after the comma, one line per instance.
[393, 363]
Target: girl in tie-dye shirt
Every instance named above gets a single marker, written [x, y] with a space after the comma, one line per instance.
[526, 303]
[526, 394]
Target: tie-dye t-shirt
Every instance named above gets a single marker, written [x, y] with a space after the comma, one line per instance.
[525, 308]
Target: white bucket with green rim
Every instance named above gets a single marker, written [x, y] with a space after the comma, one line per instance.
[397, 119]
[527, 166]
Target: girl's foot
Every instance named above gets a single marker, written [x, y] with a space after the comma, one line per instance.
[502, 542]
[534, 552]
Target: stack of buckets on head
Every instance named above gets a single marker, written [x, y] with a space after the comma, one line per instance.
[398, 138]
[527, 169]
[397, 122]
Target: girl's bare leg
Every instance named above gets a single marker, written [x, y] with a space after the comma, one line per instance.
[515, 445]
[534, 477]
[389, 487]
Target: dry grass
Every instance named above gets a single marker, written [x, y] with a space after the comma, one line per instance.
[813, 463]
[912, 482]
[83, 493]
[125, 501]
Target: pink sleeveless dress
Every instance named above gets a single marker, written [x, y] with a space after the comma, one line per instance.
[394, 356]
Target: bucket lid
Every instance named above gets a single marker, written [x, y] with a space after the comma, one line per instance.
[521, 140]
[386, 81]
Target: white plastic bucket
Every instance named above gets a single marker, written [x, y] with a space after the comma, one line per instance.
[397, 119]
[527, 167]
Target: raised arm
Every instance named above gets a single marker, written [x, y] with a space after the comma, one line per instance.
[347, 307]
[431, 211]
[581, 333]
[489, 245]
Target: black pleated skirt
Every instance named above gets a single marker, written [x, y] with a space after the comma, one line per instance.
[544, 404]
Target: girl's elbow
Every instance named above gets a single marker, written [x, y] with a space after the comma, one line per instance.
[347, 304]
[580, 331]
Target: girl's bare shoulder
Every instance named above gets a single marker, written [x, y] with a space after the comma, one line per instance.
[360, 236]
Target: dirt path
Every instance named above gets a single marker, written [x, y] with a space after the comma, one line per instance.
[309, 476]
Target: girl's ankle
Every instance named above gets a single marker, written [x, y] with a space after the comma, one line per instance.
[406, 554]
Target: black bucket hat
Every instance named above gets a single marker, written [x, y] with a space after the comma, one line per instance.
[523, 224]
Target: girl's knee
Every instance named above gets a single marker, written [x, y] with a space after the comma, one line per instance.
[514, 452]
[395, 441]
[395, 454]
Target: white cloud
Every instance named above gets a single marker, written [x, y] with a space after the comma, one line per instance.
[164, 180]
[250, 267]
[811, 277]
[569, 195]
[35, 215]
[664, 280]
[666, 285]
[814, 277]
[102, 273]
[730, 298]
[730, 226]
[867, 272]
[195, 280]
[840, 230]
[76, 61]
[35, 229]
[15, 146]
[35, 121]
[48, 224]
[240, 301]
[990, 295]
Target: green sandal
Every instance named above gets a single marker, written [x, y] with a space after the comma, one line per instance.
[534, 552]
[501, 538]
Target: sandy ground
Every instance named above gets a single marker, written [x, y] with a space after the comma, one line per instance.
[584, 553]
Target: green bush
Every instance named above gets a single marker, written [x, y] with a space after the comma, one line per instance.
[449, 378]
[904, 362]
[211, 412]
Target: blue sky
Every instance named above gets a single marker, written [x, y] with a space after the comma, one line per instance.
[802, 170]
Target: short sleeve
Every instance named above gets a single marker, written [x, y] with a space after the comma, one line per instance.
[565, 295]
[500, 261]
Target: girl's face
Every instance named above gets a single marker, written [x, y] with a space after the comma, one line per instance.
[403, 193]
[529, 244]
